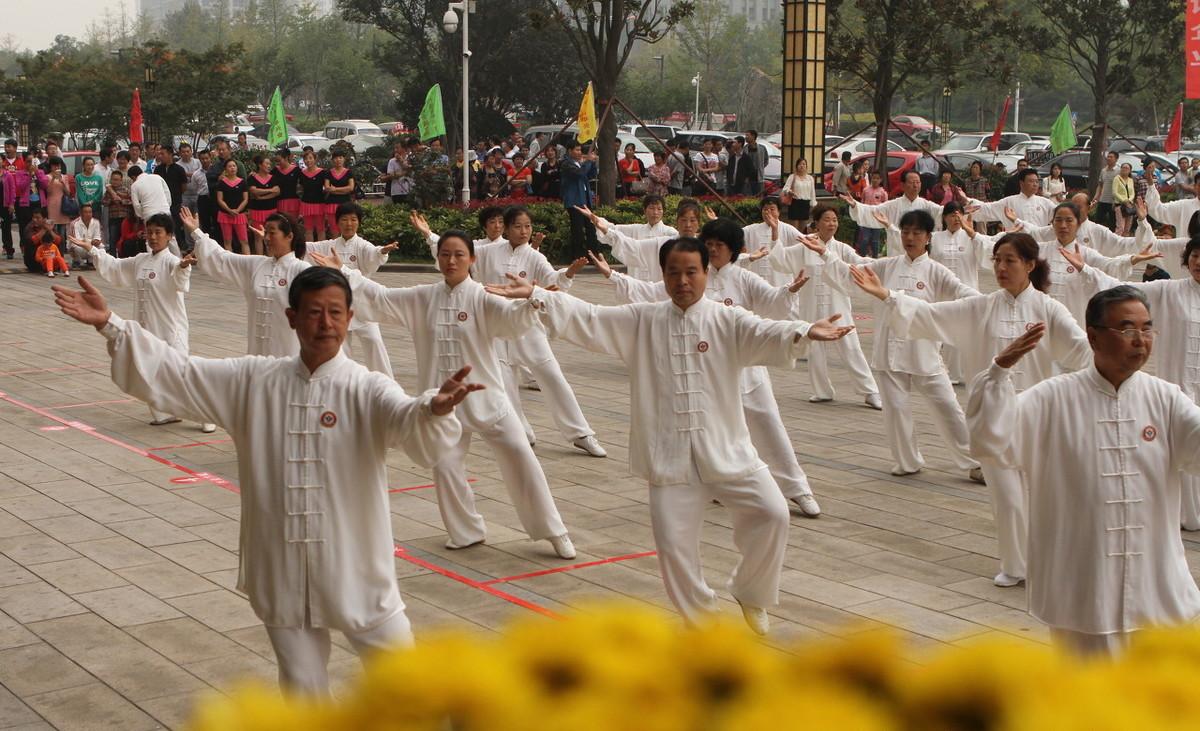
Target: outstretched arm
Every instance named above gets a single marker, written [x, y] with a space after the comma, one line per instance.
[993, 410]
[611, 330]
[235, 269]
[424, 426]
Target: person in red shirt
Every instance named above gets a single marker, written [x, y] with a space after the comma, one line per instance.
[944, 191]
[632, 170]
[519, 181]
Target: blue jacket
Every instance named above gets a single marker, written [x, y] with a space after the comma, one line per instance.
[575, 176]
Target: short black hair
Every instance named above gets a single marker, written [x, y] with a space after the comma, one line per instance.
[651, 199]
[313, 279]
[1097, 306]
[348, 209]
[951, 208]
[906, 173]
[1193, 244]
[727, 232]
[161, 220]
[688, 204]
[511, 213]
[10, 141]
[487, 213]
[917, 219]
[769, 200]
[683, 243]
[457, 233]
[135, 171]
[1026, 172]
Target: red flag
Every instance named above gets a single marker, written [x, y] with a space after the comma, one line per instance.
[135, 118]
[1173, 137]
[995, 143]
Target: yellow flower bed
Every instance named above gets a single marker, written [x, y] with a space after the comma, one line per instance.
[630, 668]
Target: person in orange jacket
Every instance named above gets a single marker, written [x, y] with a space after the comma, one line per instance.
[49, 256]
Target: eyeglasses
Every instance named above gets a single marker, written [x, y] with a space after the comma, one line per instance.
[1129, 333]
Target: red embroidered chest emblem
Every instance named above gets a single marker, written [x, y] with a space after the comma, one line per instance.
[328, 419]
[1149, 434]
[702, 346]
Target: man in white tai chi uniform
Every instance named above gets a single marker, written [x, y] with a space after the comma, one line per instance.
[1101, 449]
[688, 436]
[316, 539]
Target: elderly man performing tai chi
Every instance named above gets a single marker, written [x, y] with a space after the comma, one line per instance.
[688, 434]
[316, 540]
[1102, 450]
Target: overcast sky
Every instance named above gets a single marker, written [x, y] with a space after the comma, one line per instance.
[33, 28]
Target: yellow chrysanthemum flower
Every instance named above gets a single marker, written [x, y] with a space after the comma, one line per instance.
[255, 707]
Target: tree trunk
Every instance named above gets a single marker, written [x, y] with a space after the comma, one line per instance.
[606, 142]
[1100, 120]
[881, 105]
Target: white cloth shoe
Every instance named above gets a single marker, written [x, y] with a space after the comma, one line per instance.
[455, 547]
[899, 471]
[168, 420]
[563, 546]
[874, 401]
[756, 617]
[1004, 580]
[976, 475]
[590, 445]
[531, 385]
[807, 505]
[208, 428]
[818, 399]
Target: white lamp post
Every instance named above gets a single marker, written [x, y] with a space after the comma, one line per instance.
[696, 115]
[450, 25]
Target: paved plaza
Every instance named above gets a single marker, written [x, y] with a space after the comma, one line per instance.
[118, 540]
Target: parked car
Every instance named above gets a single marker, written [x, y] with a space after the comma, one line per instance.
[856, 146]
[297, 142]
[913, 124]
[342, 128]
[898, 163]
[696, 138]
[1075, 166]
[252, 142]
[980, 141]
[664, 132]
[1022, 149]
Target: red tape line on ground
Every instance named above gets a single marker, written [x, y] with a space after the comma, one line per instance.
[572, 567]
[403, 553]
[190, 444]
[221, 482]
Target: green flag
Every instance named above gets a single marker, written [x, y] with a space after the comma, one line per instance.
[278, 135]
[432, 123]
[1062, 132]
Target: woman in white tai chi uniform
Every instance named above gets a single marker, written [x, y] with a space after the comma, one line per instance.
[513, 255]
[312, 433]
[640, 255]
[364, 342]
[644, 265]
[982, 326]
[734, 286]
[818, 300]
[1101, 450]
[903, 364]
[160, 279]
[454, 323]
[688, 435]
[264, 280]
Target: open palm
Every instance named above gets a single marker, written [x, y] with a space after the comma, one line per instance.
[86, 305]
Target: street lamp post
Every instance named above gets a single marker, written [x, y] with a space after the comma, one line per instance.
[696, 115]
[450, 25]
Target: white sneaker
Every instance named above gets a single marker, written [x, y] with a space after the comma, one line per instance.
[50, 274]
[563, 546]
[808, 506]
[756, 617]
[818, 399]
[590, 445]
[874, 401]
[1004, 580]
[208, 428]
[976, 475]
[899, 471]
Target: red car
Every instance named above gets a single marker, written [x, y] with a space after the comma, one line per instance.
[898, 163]
[912, 124]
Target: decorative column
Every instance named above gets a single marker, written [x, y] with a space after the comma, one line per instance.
[803, 84]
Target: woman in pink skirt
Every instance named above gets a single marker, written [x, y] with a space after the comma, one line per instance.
[339, 188]
[264, 192]
[231, 207]
[312, 197]
[287, 177]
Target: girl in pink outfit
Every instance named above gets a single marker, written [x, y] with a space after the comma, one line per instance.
[54, 186]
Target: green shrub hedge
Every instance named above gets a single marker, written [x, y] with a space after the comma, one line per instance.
[389, 222]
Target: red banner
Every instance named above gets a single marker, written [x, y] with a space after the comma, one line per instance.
[994, 144]
[1191, 41]
[135, 116]
[1175, 135]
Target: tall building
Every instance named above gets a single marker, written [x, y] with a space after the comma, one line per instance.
[757, 12]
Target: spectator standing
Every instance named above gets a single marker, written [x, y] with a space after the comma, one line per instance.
[1106, 208]
[89, 188]
[1055, 186]
[708, 165]
[176, 178]
[397, 174]
[1124, 191]
[740, 170]
[658, 175]
[231, 207]
[287, 177]
[759, 157]
[866, 241]
[944, 192]
[799, 195]
[631, 170]
[263, 190]
[19, 185]
[841, 175]
[191, 165]
[576, 171]
[675, 163]
[858, 179]
[55, 186]
[927, 167]
[1182, 180]
[492, 176]
[976, 185]
[521, 179]
[1012, 186]
[119, 204]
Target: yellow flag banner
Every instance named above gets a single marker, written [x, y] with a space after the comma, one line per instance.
[586, 119]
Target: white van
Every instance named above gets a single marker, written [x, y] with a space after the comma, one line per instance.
[343, 128]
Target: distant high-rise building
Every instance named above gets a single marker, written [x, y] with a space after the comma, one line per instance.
[157, 10]
[756, 12]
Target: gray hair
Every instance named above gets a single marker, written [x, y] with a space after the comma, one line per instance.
[1097, 306]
